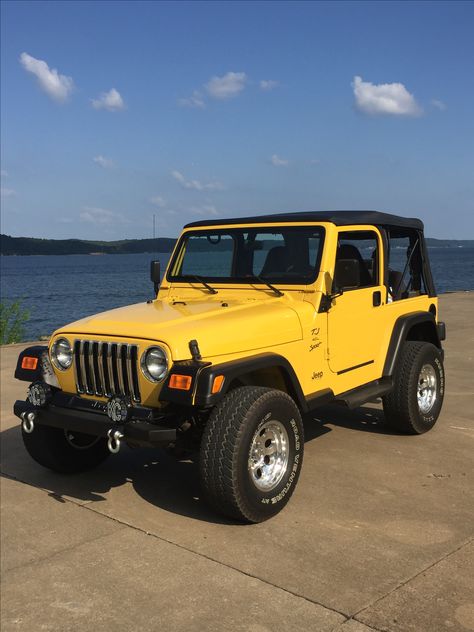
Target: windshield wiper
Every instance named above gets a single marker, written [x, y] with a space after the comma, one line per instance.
[269, 285]
[201, 280]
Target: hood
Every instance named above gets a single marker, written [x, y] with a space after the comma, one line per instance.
[220, 328]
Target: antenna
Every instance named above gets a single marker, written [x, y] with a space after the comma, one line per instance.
[154, 220]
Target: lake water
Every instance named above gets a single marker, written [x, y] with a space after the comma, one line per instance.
[59, 289]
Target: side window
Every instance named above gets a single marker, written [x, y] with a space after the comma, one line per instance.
[405, 267]
[361, 252]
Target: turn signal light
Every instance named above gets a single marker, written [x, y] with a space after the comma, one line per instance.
[181, 382]
[217, 384]
[29, 363]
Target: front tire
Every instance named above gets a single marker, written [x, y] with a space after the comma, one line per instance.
[414, 404]
[251, 453]
[65, 451]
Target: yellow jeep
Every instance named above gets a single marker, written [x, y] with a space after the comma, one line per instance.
[255, 322]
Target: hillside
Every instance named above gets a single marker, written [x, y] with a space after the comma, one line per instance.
[33, 246]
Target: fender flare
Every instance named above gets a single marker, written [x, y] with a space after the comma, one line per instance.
[400, 334]
[32, 375]
[236, 368]
[203, 375]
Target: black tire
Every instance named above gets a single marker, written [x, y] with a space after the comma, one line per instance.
[268, 420]
[62, 451]
[409, 408]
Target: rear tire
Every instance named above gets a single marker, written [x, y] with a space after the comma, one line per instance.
[251, 453]
[65, 451]
[414, 404]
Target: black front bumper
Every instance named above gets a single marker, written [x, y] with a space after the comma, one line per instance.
[145, 428]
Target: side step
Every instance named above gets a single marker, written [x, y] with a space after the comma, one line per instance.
[363, 394]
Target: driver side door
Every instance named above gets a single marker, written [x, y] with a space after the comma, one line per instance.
[355, 319]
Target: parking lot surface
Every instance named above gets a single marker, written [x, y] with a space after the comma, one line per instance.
[378, 535]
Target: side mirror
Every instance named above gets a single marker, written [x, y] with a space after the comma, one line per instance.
[155, 275]
[346, 274]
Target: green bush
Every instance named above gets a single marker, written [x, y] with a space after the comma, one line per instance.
[12, 319]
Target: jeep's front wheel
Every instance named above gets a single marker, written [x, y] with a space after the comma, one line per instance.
[251, 453]
[414, 404]
[65, 451]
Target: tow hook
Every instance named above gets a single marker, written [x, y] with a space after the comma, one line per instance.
[28, 421]
[115, 440]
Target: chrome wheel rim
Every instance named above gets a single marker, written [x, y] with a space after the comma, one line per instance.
[427, 388]
[268, 456]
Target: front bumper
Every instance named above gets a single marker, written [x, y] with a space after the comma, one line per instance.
[144, 428]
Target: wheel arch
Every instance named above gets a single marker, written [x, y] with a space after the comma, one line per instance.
[418, 326]
[266, 369]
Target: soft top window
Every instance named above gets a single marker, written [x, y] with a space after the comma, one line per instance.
[405, 264]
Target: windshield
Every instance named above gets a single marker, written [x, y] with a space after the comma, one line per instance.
[288, 255]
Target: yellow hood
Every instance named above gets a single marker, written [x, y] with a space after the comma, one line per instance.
[241, 326]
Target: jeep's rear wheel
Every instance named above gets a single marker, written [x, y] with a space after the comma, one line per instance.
[251, 453]
[63, 450]
[414, 404]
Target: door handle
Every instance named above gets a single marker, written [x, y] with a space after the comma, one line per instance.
[377, 298]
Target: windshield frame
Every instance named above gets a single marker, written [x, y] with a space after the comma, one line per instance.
[252, 280]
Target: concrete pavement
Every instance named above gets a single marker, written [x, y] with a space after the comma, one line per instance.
[378, 535]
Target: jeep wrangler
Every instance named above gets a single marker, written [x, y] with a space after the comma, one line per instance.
[256, 322]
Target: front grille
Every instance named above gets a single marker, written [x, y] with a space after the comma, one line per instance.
[106, 368]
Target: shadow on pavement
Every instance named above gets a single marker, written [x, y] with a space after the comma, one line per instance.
[364, 418]
[156, 476]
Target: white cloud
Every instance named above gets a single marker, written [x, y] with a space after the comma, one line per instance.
[268, 84]
[111, 101]
[440, 105]
[227, 86]
[194, 101]
[278, 162]
[101, 216]
[196, 184]
[57, 86]
[391, 99]
[104, 162]
[4, 192]
[206, 210]
[158, 201]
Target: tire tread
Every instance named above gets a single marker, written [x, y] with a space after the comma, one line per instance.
[219, 453]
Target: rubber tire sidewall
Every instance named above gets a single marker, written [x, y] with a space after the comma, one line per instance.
[425, 421]
[401, 406]
[259, 502]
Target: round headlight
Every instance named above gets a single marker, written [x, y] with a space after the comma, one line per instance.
[61, 354]
[154, 364]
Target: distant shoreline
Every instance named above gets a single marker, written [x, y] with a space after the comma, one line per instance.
[30, 246]
[27, 246]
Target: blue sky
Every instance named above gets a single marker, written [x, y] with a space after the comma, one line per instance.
[115, 111]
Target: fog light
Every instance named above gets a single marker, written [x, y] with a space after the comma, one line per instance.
[39, 393]
[118, 409]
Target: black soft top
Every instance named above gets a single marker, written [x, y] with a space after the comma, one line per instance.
[339, 218]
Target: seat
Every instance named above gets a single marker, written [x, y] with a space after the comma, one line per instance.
[349, 251]
[276, 263]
